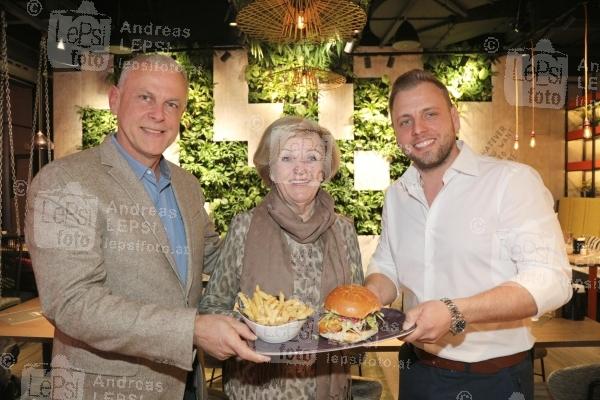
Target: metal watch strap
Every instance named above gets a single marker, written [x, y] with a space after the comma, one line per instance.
[458, 319]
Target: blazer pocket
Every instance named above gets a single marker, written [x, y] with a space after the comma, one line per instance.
[77, 356]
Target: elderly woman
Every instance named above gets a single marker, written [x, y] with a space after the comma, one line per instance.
[293, 242]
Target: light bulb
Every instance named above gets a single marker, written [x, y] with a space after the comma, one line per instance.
[300, 22]
[532, 139]
[587, 128]
[516, 145]
[40, 140]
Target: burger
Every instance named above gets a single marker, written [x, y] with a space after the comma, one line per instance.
[350, 314]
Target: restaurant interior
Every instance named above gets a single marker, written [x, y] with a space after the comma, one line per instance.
[248, 64]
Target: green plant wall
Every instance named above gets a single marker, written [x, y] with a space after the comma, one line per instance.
[230, 186]
[468, 77]
[95, 124]
[372, 129]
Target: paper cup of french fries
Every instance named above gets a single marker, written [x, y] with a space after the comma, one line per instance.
[273, 319]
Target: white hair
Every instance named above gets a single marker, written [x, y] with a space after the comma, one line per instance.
[151, 62]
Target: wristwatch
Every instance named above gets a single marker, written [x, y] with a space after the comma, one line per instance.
[458, 323]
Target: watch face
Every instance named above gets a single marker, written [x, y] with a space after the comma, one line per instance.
[460, 326]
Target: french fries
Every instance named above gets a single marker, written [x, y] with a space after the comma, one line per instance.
[266, 309]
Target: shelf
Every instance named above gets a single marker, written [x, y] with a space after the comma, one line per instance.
[592, 95]
[582, 165]
[578, 133]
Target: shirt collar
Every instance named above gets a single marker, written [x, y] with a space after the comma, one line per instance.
[466, 162]
[140, 169]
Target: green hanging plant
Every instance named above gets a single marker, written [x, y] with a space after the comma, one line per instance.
[468, 77]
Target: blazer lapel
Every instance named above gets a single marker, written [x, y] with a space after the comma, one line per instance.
[185, 200]
[120, 170]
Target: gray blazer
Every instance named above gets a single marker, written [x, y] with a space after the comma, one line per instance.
[124, 322]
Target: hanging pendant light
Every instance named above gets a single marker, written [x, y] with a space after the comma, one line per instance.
[587, 127]
[516, 143]
[284, 21]
[41, 141]
[41, 145]
[533, 66]
[308, 78]
[406, 38]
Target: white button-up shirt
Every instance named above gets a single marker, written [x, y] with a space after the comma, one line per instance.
[492, 222]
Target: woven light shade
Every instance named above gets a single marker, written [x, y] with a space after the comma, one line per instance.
[309, 77]
[281, 21]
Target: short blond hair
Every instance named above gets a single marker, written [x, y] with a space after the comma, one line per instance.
[280, 131]
[411, 79]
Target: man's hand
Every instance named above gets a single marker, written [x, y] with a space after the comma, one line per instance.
[221, 337]
[433, 321]
[382, 287]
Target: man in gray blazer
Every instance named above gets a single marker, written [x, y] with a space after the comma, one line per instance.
[118, 238]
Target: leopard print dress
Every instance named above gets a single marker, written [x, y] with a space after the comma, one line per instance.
[276, 380]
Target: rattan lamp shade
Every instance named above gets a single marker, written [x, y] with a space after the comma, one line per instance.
[310, 78]
[281, 21]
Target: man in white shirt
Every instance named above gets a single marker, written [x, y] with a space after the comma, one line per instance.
[474, 244]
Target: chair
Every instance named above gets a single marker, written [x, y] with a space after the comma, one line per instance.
[593, 243]
[540, 353]
[213, 364]
[580, 382]
[366, 389]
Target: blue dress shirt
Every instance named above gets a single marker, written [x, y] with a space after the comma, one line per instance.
[162, 196]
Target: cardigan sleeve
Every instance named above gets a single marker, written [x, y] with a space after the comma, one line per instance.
[352, 248]
[224, 284]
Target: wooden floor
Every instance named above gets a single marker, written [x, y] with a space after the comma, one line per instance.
[380, 366]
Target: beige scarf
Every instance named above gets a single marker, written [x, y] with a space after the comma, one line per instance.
[267, 262]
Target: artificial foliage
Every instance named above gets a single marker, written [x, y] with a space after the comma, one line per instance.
[468, 77]
[266, 78]
[95, 124]
[372, 131]
[230, 185]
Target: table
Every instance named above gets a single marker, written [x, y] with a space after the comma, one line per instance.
[35, 330]
[549, 332]
[590, 262]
